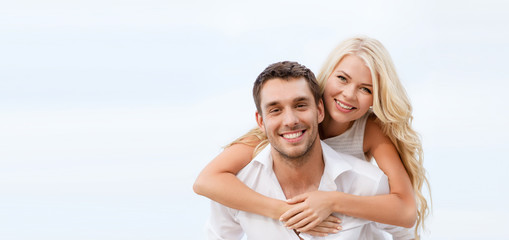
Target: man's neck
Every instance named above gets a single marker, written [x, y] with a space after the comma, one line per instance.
[299, 178]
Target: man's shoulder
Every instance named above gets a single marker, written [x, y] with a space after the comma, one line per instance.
[364, 168]
[361, 178]
[358, 166]
[256, 167]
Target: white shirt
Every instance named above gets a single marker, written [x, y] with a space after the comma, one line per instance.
[342, 172]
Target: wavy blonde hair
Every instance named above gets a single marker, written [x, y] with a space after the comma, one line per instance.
[391, 106]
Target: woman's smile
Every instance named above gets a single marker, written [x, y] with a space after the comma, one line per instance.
[344, 106]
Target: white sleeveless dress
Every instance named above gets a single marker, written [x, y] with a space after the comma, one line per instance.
[351, 142]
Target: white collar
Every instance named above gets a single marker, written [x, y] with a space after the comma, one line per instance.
[335, 165]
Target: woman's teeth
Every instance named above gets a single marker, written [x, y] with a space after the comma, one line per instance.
[292, 135]
[343, 105]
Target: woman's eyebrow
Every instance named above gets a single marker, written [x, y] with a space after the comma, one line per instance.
[346, 74]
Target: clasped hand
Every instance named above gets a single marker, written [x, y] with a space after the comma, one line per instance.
[311, 214]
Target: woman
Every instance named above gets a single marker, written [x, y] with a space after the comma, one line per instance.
[367, 115]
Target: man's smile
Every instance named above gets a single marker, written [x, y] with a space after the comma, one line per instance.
[293, 136]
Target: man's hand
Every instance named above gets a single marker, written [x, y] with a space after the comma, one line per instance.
[310, 209]
[330, 225]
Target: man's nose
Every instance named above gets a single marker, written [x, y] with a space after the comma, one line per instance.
[290, 118]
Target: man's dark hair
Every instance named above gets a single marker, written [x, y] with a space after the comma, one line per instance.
[285, 70]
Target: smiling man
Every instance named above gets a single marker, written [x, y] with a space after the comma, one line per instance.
[289, 109]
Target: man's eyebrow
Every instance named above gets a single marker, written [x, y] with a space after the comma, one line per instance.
[297, 99]
[301, 99]
[270, 104]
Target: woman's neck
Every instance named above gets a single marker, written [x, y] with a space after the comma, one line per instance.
[330, 128]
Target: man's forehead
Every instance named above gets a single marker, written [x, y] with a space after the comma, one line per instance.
[278, 89]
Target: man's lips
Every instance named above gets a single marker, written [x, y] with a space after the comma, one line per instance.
[294, 136]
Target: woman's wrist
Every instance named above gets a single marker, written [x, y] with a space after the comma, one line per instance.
[337, 203]
[278, 207]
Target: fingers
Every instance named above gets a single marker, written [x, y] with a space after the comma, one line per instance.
[288, 215]
[330, 225]
[297, 199]
[324, 230]
[298, 220]
[305, 226]
[332, 218]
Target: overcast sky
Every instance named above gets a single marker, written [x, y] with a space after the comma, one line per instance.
[109, 109]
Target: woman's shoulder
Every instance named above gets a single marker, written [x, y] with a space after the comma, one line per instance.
[373, 132]
[372, 122]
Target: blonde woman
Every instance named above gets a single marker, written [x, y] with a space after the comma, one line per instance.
[368, 115]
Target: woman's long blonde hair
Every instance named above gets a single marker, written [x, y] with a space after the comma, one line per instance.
[390, 105]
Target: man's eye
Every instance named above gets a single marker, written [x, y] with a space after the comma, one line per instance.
[274, 110]
[301, 105]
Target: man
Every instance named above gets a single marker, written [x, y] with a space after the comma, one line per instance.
[289, 109]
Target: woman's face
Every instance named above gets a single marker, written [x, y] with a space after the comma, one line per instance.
[349, 90]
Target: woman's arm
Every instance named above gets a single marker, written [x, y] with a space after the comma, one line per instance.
[396, 208]
[399, 206]
[218, 182]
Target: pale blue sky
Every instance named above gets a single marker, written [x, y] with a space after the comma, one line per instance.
[109, 109]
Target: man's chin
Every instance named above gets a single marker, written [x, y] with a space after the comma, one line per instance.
[296, 154]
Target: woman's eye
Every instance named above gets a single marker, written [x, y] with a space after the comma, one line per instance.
[341, 78]
[366, 90]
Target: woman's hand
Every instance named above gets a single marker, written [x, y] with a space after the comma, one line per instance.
[331, 224]
[310, 210]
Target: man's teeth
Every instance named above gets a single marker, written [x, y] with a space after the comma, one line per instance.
[343, 105]
[292, 135]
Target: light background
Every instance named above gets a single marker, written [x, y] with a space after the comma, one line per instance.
[109, 109]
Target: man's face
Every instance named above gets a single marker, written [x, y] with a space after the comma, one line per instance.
[289, 116]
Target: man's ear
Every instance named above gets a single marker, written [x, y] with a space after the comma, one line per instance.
[259, 120]
[321, 111]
